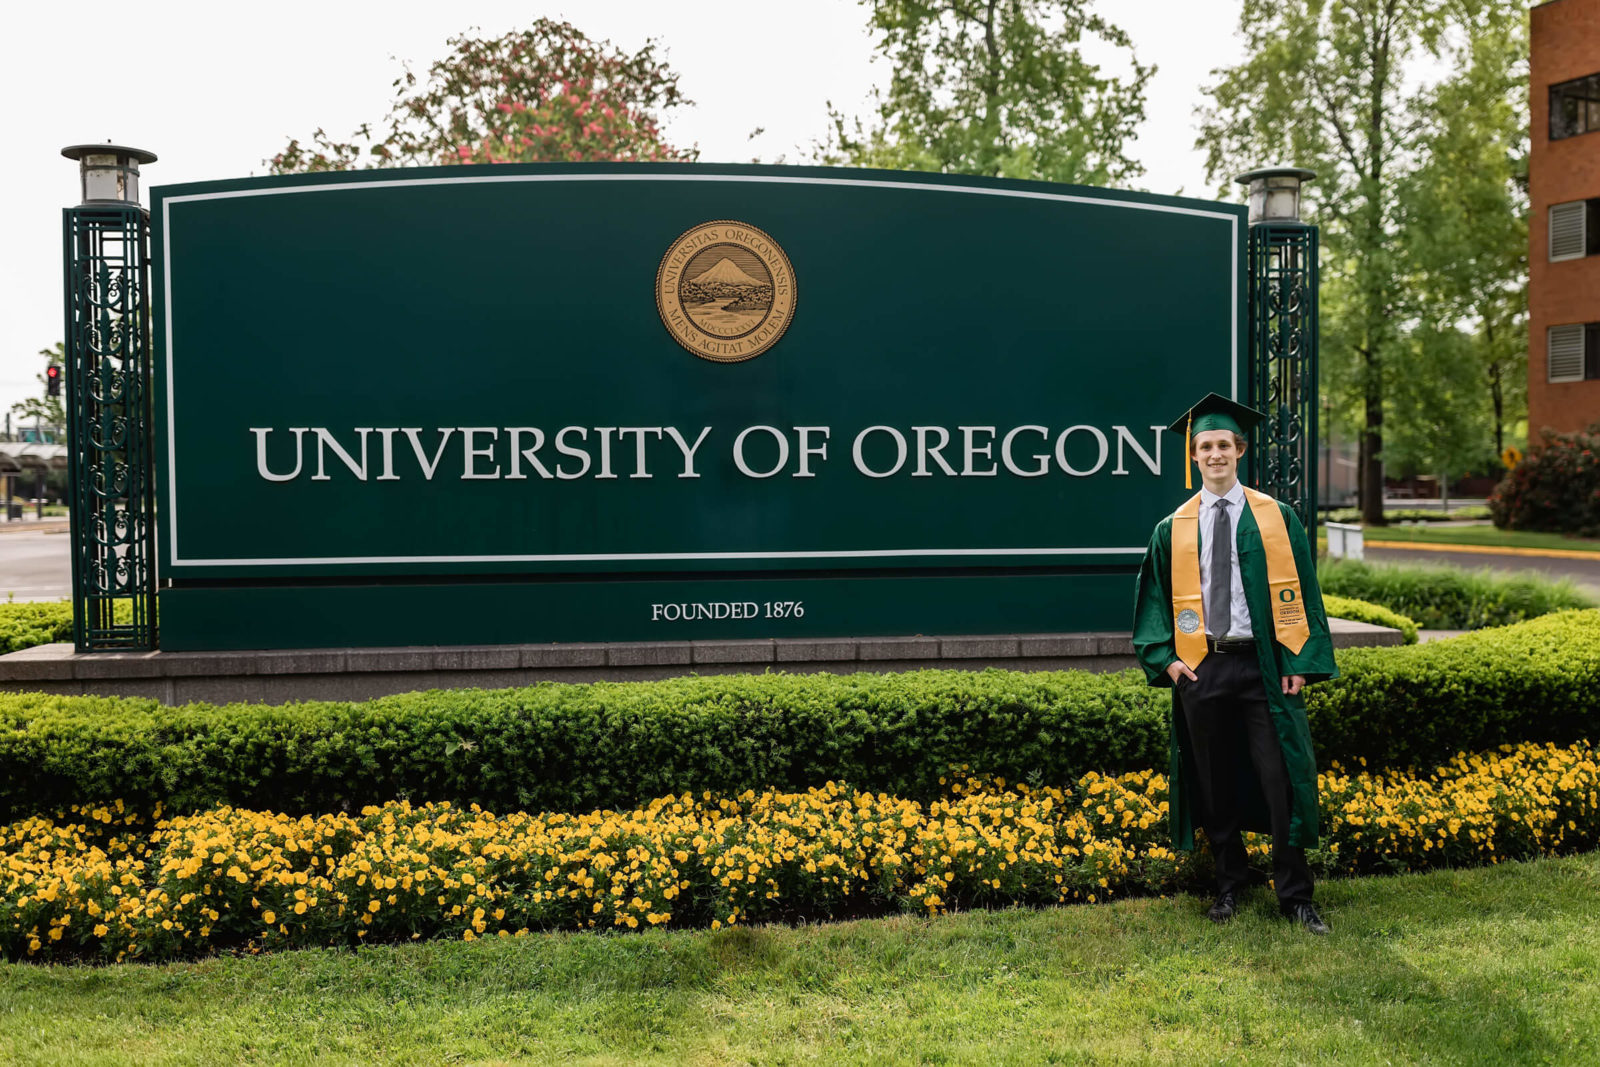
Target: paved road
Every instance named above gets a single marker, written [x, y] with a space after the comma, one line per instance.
[1585, 573]
[35, 565]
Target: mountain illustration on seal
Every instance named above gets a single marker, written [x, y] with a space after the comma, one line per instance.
[726, 272]
[730, 297]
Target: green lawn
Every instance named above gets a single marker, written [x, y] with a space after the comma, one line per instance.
[1494, 965]
[1479, 535]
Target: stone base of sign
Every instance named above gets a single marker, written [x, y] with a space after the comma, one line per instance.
[279, 677]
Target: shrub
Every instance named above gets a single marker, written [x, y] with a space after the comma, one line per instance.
[1412, 514]
[1365, 611]
[99, 883]
[1442, 597]
[26, 625]
[1414, 705]
[611, 745]
[1556, 488]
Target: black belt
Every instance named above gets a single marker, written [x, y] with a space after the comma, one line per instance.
[1230, 644]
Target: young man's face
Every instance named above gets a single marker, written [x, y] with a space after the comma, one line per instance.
[1217, 453]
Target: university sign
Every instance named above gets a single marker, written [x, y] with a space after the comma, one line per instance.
[591, 402]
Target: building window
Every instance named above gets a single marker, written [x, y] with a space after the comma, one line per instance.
[1575, 229]
[1574, 352]
[1575, 107]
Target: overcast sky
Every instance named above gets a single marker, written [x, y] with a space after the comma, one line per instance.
[214, 88]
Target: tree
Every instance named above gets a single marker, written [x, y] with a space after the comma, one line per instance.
[544, 94]
[1465, 222]
[44, 410]
[1336, 85]
[997, 88]
[1439, 422]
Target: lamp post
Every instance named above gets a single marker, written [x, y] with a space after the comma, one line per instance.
[108, 395]
[1282, 265]
[108, 173]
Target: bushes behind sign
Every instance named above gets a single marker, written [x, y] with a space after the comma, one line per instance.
[577, 747]
[1557, 488]
[1442, 597]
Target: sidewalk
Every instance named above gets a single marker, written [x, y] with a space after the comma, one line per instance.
[48, 524]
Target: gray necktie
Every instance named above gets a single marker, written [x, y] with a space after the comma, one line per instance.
[1219, 601]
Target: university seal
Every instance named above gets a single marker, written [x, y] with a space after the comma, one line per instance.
[726, 291]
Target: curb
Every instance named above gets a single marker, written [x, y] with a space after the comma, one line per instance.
[36, 526]
[1485, 550]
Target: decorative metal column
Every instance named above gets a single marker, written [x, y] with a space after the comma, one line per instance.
[109, 418]
[1283, 338]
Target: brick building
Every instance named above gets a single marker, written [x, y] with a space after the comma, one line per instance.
[1564, 222]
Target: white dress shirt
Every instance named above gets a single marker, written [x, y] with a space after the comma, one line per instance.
[1240, 623]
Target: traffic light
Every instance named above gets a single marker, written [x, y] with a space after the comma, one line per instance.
[52, 379]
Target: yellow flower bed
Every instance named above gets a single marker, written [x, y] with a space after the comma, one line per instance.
[105, 882]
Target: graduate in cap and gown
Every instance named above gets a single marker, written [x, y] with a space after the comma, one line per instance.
[1229, 616]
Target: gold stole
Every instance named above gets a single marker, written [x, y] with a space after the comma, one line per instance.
[1283, 579]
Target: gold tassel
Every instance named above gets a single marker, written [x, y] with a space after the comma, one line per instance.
[1188, 465]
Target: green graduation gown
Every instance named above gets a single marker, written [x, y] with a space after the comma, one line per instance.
[1153, 644]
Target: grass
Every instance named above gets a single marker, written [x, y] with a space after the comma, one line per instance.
[1480, 535]
[1491, 965]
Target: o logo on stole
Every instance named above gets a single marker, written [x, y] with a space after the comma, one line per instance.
[1286, 595]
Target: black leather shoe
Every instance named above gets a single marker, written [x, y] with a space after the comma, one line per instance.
[1306, 915]
[1223, 909]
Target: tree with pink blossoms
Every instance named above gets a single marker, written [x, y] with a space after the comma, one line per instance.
[541, 95]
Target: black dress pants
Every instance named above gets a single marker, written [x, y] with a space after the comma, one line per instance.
[1225, 710]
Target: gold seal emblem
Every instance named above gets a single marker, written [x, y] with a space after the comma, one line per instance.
[725, 291]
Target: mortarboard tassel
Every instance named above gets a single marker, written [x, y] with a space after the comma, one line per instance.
[1188, 467]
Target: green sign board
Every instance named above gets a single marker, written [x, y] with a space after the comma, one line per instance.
[625, 402]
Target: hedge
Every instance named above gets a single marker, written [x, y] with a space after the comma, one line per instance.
[25, 625]
[1400, 515]
[1343, 607]
[1442, 597]
[608, 745]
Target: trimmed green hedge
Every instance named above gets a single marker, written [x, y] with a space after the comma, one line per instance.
[26, 625]
[1442, 597]
[1397, 515]
[578, 747]
[1344, 607]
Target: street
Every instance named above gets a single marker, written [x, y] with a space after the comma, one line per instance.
[36, 564]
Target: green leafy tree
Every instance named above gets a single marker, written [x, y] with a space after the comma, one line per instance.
[1441, 423]
[996, 87]
[543, 94]
[1338, 86]
[44, 410]
[1465, 222]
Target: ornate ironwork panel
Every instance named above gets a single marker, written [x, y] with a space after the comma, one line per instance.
[109, 425]
[1283, 362]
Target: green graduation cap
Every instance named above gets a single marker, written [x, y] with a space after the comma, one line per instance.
[1214, 412]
